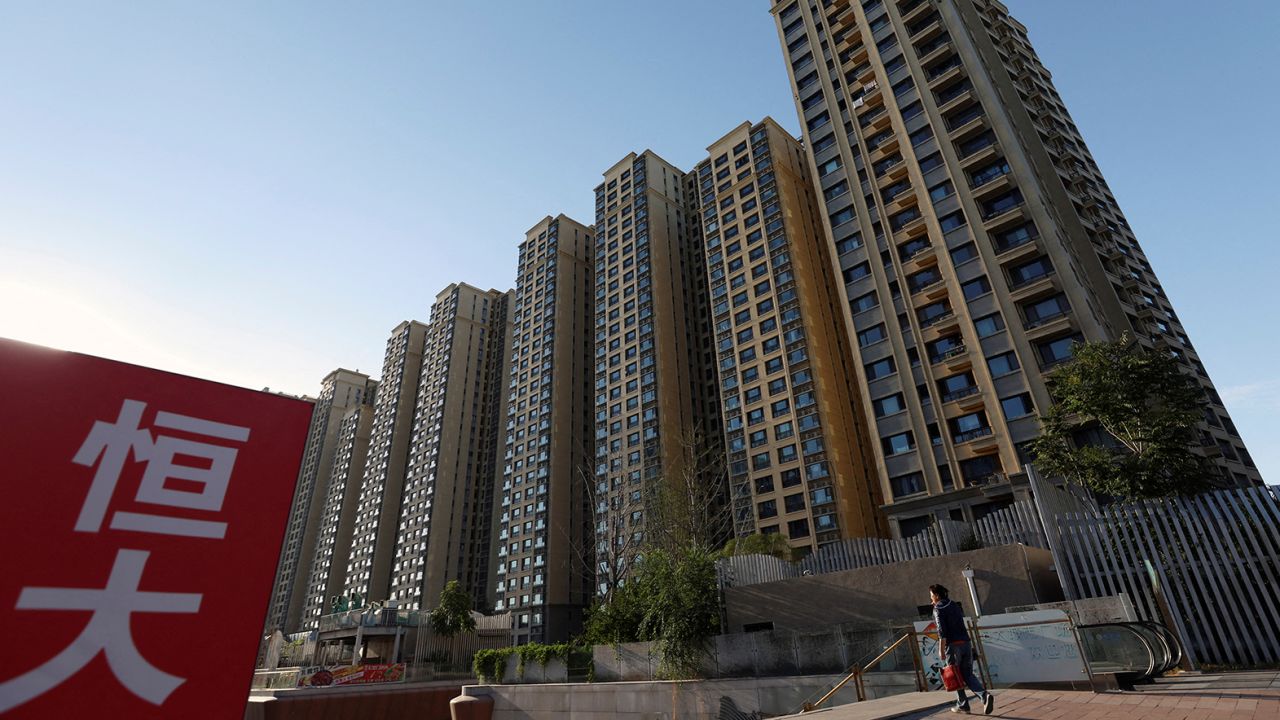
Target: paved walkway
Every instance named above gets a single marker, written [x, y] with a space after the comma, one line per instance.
[1153, 704]
[1216, 698]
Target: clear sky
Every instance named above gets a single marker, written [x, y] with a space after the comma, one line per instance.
[258, 192]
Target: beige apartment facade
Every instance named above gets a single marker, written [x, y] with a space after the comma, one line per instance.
[327, 570]
[975, 238]
[373, 539]
[541, 559]
[446, 524]
[799, 459]
[656, 423]
[340, 391]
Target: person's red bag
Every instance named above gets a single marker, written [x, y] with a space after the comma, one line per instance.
[951, 679]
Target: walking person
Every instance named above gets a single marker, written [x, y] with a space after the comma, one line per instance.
[954, 649]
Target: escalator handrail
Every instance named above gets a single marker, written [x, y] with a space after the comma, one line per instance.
[1171, 639]
[1142, 638]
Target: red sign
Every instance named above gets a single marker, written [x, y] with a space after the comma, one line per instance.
[351, 675]
[141, 522]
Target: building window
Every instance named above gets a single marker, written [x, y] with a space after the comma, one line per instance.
[898, 444]
[889, 405]
[1002, 364]
[908, 484]
[767, 509]
[976, 288]
[880, 368]
[794, 503]
[871, 335]
[988, 325]
[863, 302]
[1017, 406]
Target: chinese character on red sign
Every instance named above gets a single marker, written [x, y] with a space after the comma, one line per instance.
[142, 519]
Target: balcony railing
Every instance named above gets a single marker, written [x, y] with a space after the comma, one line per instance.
[936, 319]
[1032, 324]
[961, 393]
[369, 618]
[965, 437]
[1000, 208]
[1028, 281]
[956, 351]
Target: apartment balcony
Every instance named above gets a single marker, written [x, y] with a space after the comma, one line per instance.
[935, 53]
[901, 201]
[952, 98]
[968, 123]
[926, 256]
[947, 317]
[1032, 286]
[961, 394]
[934, 284]
[912, 12]
[980, 156]
[883, 150]
[957, 352]
[992, 186]
[1004, 215]
[1047, 326]
[880, 122]
[928, 32]
[967, 437]
[910, 227]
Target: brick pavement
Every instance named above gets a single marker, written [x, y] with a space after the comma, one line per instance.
[1153, 704]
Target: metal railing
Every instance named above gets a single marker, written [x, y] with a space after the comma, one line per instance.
[859, 669]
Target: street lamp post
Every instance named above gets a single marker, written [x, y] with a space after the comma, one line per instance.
[967, 572]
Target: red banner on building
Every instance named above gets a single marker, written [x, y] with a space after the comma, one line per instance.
[141, 509]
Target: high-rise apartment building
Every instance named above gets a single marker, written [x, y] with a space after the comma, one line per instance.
[446, 521]
[340, 391]
[976, 238]
[799, 456]
[373, 539]
[655, 391]
[542, 573]
[328, 566]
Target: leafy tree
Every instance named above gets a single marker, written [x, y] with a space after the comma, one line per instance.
[616, 619]
[760, 544]
[1147, 411]
[452, 615]
[672, 600]
[682, 608]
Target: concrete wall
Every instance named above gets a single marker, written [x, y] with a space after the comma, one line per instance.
[775, 653]
[882, 595]
[679, 699]
[1089, 611]
[392, 701]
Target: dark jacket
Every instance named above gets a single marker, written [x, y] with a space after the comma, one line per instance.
[949, 618]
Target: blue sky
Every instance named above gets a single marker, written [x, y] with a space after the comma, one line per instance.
[258, 192]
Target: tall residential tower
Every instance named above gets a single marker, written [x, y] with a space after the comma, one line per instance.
[542, 572]
[446, 526]
[976, 238]
[799, 456]
[340, 392]
[656, 419]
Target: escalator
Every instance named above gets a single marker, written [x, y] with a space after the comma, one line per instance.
[1135, 652]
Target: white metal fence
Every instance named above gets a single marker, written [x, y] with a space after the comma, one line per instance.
[1017, 523]
[1212, 559]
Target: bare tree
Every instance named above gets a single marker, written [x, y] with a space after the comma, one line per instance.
[686, 506]
[689, 505]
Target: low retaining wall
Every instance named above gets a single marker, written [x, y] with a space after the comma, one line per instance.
[390, 701]
[776, 653]
[678, 699]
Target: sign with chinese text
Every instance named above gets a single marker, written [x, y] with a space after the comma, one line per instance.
[351, 675]
[139, 507]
